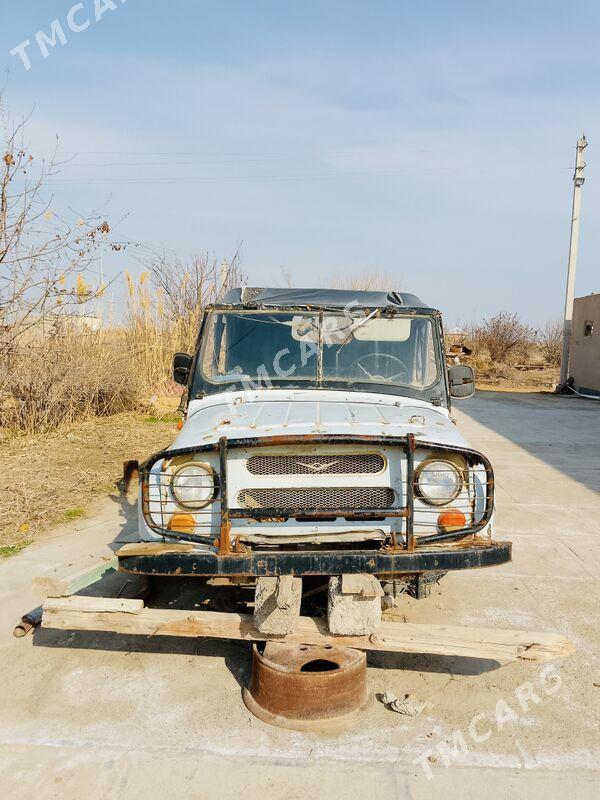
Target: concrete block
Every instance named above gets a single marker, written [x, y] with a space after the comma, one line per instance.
[277, 604]
[356, 612]
[363, 584]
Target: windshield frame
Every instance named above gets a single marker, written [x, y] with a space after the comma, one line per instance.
[436, 393]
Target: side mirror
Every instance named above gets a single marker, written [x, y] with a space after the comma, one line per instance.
[182, 363]
[462, 381]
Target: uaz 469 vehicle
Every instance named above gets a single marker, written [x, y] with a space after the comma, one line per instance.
[318, 442]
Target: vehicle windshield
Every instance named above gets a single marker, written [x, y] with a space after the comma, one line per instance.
[258, 348]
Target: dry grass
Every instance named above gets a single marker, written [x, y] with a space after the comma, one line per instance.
[50, 478]
[56, 375]
[58, 381]
[510, 378]
[52, 381]
[151, 335]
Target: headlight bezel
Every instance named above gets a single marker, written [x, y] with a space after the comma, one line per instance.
[448, 464]
[196, 505]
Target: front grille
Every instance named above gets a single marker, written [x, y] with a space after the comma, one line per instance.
[314, 464]
[326, 499]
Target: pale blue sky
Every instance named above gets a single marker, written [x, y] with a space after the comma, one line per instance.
[430, 140]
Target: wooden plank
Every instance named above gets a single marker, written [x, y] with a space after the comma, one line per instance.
[449, 640]
[86, 604]
[154, 548]
[61, 582]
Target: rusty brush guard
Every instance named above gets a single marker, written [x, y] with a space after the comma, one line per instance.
[403, 551]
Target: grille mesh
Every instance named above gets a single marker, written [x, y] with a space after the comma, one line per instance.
[314, 464]
[326, 498]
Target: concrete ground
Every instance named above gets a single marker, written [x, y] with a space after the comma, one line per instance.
[86, 715]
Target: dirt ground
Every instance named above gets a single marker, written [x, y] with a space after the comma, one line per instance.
[50, 478]
[505, 377]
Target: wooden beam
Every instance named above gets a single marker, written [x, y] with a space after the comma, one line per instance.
[155, 548]
[86, 604]
[61, 582]
[129, 616]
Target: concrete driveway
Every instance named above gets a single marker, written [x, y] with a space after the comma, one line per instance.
[98, 716]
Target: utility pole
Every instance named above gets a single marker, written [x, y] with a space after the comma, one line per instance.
[578, 181]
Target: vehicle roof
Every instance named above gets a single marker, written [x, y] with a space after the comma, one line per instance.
[254, 297]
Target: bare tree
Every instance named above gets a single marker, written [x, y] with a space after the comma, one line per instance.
[550, 340]
[50, 372]
[43, 255]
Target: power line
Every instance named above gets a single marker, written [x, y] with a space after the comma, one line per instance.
[121, 181]
[270, 155]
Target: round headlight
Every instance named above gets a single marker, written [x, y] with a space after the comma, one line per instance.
[438, 482]
[193, 485]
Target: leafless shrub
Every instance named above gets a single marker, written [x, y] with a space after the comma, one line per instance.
[183, 289]
[501, 335]
[550, 341]
[61, 380]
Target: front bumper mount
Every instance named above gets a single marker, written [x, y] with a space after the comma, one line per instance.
[160, 559]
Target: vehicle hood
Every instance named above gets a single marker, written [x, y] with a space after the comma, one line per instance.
[299, 412]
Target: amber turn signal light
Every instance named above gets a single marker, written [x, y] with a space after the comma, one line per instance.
[184, 523]
[452, 520]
